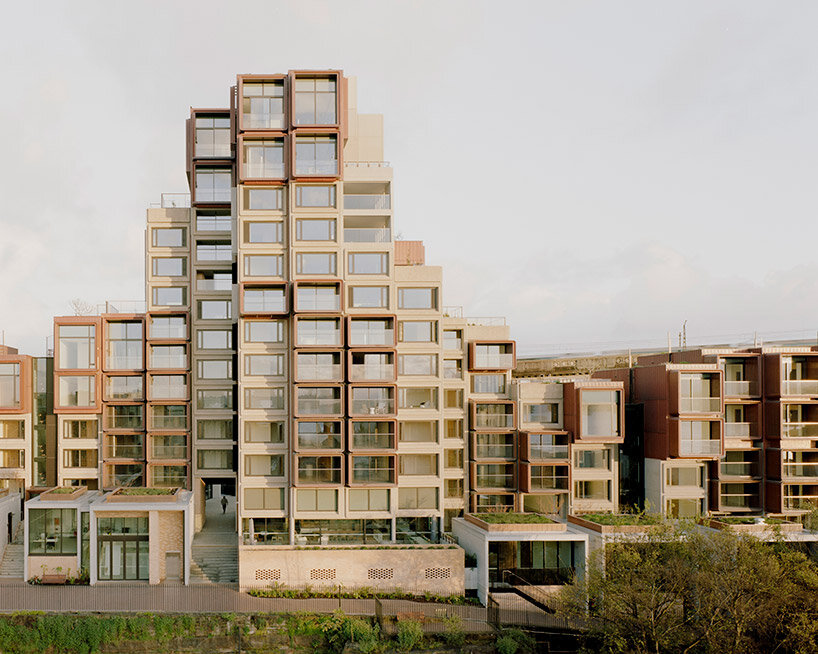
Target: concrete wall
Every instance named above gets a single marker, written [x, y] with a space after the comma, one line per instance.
[9, 505]
[39, 565]
[434, 570]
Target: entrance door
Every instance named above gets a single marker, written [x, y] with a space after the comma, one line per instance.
[123, 558]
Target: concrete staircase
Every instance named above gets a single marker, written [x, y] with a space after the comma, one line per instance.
[12, 563]
[215, 555]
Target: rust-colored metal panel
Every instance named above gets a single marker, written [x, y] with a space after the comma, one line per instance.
[410, 253]
[774, 497]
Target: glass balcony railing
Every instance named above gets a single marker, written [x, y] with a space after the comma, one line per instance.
[373, 475]
[372, 371]
[540, 452]
[264, 304]
[262, 120]
[319, 303]
[168, 480]
[800, 387]
[214, 285]
[365, 337]
[704, 447]
[494, 481]
[168, 331]
[175, 392]
[361, 235]
[738, 469]
[316, 372]
[264, 170]
[324, 338]
[169, 422]
[739, 500]
[169, 361]
[494, 421]
[319, 407]
[739, 430]
[740, 389]
[801, 469]
[499, 361]
[549, 483]
[213, 223]
[319, 441]
[801, 502]
[169, 452]
[319, 475]
[699, 404]
[799, 430]
[373, 407]
[382, 441]
[316, 166]
[494, 451]
[367, 202]
[124, 362]
[123, 452]
[213, 149]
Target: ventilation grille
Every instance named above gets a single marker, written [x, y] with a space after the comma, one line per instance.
[438, 573]
[266, 574]
[322, 573]
[380, 573]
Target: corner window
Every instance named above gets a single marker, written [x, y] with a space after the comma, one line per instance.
[77, 346]
[262, 105]
[213, 185]
[9, 386]
[212, 136]
[316, 155]
[315, 101]
[263, 159]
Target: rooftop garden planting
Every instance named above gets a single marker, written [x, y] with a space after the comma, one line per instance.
[513, 518]
[619, 519]
[147, 491]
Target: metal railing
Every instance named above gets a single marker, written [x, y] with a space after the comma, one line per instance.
[486, 321]
[801, 470]
[173, 201]
[700, 404]
[367, 202]
[122, 306]
[738, 469]
[452, 312]
[367, 164]
[362, 235]
[210, 285]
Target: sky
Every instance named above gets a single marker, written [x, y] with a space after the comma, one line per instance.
[596, 172]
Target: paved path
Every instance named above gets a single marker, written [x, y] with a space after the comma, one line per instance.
[215, 547]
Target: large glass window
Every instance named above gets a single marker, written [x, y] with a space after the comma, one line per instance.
[214, 459]
[315, 196]
[315, 229]
[417, 398]
[600, 413]
[77, 346]
[546, 413]
[264, 465]
[316, 499]
[319, 331]
[168, 416]
[168, 327]
[130, 388]
[265, 300]
[417, 364]
[264, 331]
[319, 469]
[130, 417]
[264, 499]
[368, 499]
[264, 431]
[262, 105]
[417, 498]
[417, 298]
[124, 351]
[495, 384]
[263, 159]
[168, 356]
[418, 464]
[169, 237]
[214, 368]
[417, 331]
[214, 339]
[263, 199]
[80, 458]
[212, 136]
[368, 263]
[168, 387]
[315, 263]
[264, 398]
[315, 101]
[9, 385]
[263, 232]
[369, 297]
[264, 364]
[169, 266]
[316, 155]
[314, 297]
[372, 401]
[123, 549]
[263, 265]
[214, 429]
[216, 398]
[52, 532]
[169, 296]
[77, 390]
[213, 185]
[214, 309]
[319, 435]
[77, 429]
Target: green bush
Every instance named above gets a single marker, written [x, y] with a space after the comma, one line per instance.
[364, 634]
[453, 634]
[506, 645]
[410, 634]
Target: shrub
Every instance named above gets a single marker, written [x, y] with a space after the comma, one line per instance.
[410, 634]
[471, 560]
[453, 633]
[364, 634]
[506, 645]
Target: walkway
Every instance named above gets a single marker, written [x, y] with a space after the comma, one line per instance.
[12, 560]
[215, 548]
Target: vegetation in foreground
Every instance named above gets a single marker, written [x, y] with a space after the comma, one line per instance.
[679, 589]
[513, 518]
[283, 592]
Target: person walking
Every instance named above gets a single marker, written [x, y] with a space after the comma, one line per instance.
[224, 504]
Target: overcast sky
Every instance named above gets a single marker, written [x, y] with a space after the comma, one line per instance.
[597, 172]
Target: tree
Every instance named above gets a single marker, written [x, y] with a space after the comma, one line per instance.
[82, 308]
[681, 589]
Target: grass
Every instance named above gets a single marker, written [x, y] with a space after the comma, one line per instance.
[64, 490]
[622, 519]
[147, 491]
[513, 518]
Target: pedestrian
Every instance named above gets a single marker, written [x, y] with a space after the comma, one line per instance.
[224, 504]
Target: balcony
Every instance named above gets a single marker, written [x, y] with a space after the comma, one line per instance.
[319, 372]
[705, 447]
[168, 361]
[799, 387]
[169, 452]
[740, 389]
[494, 481]
[213, 223]
[376, 441]
[738, 469]
[168, 392]
[123, 452]
[373, 407]
[801, 502]
[557, 482]
[263, 170]
[261, 302]
[492, 361]
[364, 235]
[494, 421]
[545, 452]
[739, 500]
[124, 362]
[312, 475]
[366, 337]
[740, 430]
[214, 285]
[799, 430]
[373, 475]
[494, 451]
[800, 470]
[372, 371]
[368, 202]
[307, 302]
[699, 404]
[319, 407]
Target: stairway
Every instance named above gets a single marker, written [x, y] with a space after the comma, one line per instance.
[214, 559]
[12, 562]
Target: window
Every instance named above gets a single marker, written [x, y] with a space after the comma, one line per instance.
[264, 499]
[214, 309]
[417, 298]
[213, 221]
[453, 398]
[418, 464]
[417, 431]
[368, 400]
[685, 476]
[313, 297]
[369, 435]
[547, 413]
[77, 429]
[169, 266]
[267, 232]
[262, 105]
[368, 499]
[315, 196]
[417, 331]
[417, 398]
[214, 251]
[258, 431]
[316, 499]
[264, 364]
[212, 136]
[214, 459]
[320, 469]
[263, 199]
[264, 398]
[9, 385]
[263, 159]
[372, 366]
[369, 297]
[377, 331]
[494, 475]
[600, 413]
[318, 331]
[319, 366]
[77, 348]
[169, 296]
[52, 532]
[168, 356]
[318, 401]
[319, 436]
[212, 185]
[263, 265]
[124, 446]
[214, 429]
[267, 331]
[417, 498]
[315, 263]
[168, 327]
[452, 369]
[316, 155]
[315, 229]
[80, 458]
[488, 384]
[594, 459]
[169, 237]
[125, 417]
[78, 391]
[169, 476]
[453, 428]
[213, 280]
[214, 339]
[372, 470]
[453, 488]
[265, 300]
[168, 416]
[417, 364]
[124, 351]
[215, 369]
[368, 263]
[592, 490]
[168, 446]
[452, 339]
[124, 388]
[315, 101]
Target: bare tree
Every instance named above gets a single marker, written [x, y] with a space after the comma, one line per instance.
[81, 307]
